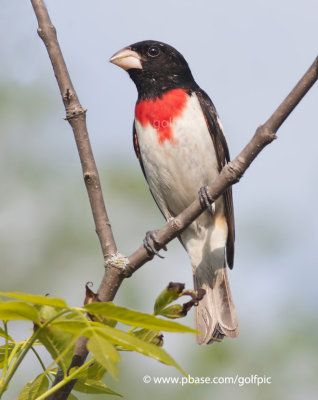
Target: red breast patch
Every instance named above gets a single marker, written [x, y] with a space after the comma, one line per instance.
[161, 112]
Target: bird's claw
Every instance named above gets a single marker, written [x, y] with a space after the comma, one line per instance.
[151, 250]
[206, 200]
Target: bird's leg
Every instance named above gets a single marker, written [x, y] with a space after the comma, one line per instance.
[206, 200]
[149, 243]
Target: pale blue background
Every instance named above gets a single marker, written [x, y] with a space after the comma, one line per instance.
[247, 55]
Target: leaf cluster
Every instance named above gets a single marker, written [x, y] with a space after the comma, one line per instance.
[56, 326]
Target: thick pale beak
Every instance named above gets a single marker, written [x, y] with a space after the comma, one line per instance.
[126, 59]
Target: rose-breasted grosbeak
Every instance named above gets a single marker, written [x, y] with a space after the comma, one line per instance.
[180, 144]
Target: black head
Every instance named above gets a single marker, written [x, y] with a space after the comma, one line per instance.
[155, 67]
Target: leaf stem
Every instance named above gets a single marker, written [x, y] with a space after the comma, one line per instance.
[6, 354]
[27, 345]
[41, 362]
[65, 380]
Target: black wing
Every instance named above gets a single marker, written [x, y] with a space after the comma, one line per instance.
[137, 149]
[223, 157]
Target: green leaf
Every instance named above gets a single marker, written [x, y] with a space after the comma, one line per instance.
[171, 293]
[72, 397]
[135, 318]
[149, 336]
[103, 351]
[10, 346]
[5, 335]
[93, 387]
[39, 386]
[56, 341]
[131, 342]
[10, 310]
[126, 340]
[36, 299]
[24, 394]
[3, 350]
[174, 311]
[60, 344]
[46, 313]
[74, 326]
[32, 390]
[94, 371]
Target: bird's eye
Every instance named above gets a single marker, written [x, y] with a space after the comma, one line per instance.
[153, 51]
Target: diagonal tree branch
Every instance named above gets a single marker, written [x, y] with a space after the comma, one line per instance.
[233, 171]
[231, 174]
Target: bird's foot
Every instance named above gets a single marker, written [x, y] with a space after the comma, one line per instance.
[150, 242]
[206, 200]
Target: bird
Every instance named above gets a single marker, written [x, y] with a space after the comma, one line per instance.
[180, 144]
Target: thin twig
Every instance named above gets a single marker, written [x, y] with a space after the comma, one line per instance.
[76, 116]
[230, 174]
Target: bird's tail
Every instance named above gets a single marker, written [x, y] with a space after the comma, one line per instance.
[215, 315]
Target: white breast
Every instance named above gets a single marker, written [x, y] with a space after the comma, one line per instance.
[177, 169]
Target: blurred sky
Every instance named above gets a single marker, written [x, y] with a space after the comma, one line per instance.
[247, 55]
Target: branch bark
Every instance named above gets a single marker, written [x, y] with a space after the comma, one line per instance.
[230, 175]
[76, 116]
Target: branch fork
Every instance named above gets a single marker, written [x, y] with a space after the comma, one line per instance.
[118, 266]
